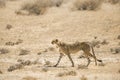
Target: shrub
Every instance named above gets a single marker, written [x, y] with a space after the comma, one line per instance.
[119, 71]
[115, 50]
[69, 73]
[104, 42]
[29, 78]
[4, 51]
[40, 6]
[87, 4]
[113, 1]
[83, 78]
[1, 72]
[15, 67]
[2, 3]
[118, 37]
[8, 26]
[23, 52]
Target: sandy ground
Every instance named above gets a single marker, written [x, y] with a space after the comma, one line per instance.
[68, 26]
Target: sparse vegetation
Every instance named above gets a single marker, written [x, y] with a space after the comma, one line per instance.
[83, 78]
[1, 72]
[47, 63]
[4, 51]
[51, 49]
[39, 6]
[44, 69]
[101, 64]
[104, 42]
[27, 62]
[119, 71]
[96, 43]
[113, 1]
[72, 73]
[82, 67]
[115, 50]
[39, 53]
[9, 43]
[69, 73]
[15, 67]
[2, 3]
[8, 26]
[23, 52]
[87, 4]
[19, 41]
[29, 78]
[21, 64]
[118, 37]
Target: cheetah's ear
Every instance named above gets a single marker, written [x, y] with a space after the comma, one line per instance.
[56, 40]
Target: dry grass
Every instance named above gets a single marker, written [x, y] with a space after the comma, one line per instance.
[9, 43]
[4, 51]
[113, 1]
[119, 71]
[83, 78]
[118, 37]
[39, 6]
[1, 72]
[82, 67]
[15, 67]
[27, 62]
[51, 49]
[104, 42]
[69, 73]
[23, 52]
[8, 26]
[96, 43]
[115, 50]
[29, 78]
[2, 3]
[87, 4]
[44, 69]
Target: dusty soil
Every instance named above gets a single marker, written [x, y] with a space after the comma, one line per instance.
[36, 33]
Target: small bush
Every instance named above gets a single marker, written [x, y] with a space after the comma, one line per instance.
[8, 26]
[23, 52]
[51, 49]
[4, 51]
[96, 43]
[19, 41]
[113, 1]
[39, 6]
[29, 78]
[115, 50]
[10, 43]
[1, 72]
[119, 71]
[104, 42]
[83, 78]
[2, 3]
[69, 73]
[87, 4]
[15, 67]
[44, 69]
[27, 62]
[118, 37]
[39, 53]
[81, 67]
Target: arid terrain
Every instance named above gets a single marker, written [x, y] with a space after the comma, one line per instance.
[26, 52]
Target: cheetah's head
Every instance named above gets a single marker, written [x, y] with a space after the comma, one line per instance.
[55, 41]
